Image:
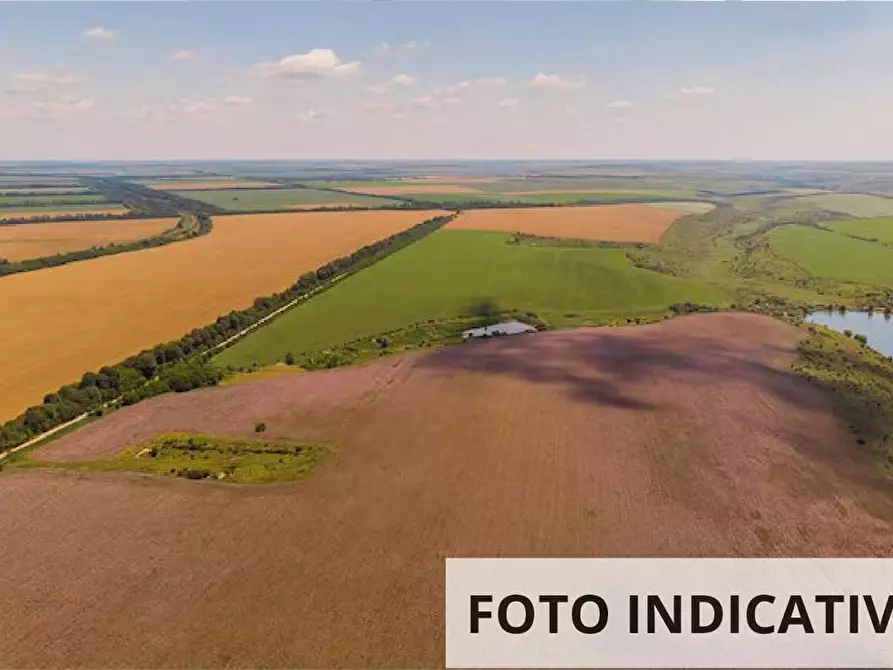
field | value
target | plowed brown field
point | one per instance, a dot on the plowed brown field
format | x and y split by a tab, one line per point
685	438
21	241
78	317
616	223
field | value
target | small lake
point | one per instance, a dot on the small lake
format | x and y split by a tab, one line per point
507	328
876	326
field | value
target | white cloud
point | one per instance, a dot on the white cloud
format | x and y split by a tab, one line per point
555	81
56	77
185	54
619	104
99	33
403	80
315	63
436	101
237	100
377	106
63	106
313	116
506	103
696	90
377	89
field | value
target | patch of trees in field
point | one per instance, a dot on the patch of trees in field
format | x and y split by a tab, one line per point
145	200
188	227
182	365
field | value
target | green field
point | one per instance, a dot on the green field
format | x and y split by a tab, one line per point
850	204
880	228
43	200
36	211
265	199
827	254
442	275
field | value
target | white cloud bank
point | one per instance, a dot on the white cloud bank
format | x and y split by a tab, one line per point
696	90
314	64
99	33
557	82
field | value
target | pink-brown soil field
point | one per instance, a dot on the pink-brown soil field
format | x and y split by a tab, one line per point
21	241
616	223
691	437
81	316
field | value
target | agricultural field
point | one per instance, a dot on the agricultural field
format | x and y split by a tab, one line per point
47	200
851	204
78	317
618	223
24	241
440	276
691	437
205	184
58	211
827	254
282	198
880	228
539	198
48	190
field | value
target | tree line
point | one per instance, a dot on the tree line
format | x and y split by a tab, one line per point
184	364
84	216
187	227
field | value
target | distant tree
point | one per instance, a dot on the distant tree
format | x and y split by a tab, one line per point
861	339
260	427
289	358
848	332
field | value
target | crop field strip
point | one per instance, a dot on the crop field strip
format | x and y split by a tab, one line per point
25	241
59	211
440	276
209	184
81	316
281	198
616	223
46	200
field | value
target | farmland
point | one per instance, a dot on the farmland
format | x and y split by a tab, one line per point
59	211
23	241
442	275
600	439
281	198
850	204
620	223
880	228
827	254
207	184
543	198
77	317
48	200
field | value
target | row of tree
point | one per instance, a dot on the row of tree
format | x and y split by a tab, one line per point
188	227
183	364
80	216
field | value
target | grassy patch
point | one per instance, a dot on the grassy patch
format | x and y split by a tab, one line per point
827	254
850	204
264	199
860	380
203	457
43	200
443	276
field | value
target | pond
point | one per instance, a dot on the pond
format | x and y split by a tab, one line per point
507	328
876	326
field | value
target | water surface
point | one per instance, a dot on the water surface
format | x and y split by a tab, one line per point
876	326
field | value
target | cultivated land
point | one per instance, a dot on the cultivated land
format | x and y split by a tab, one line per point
827	254
850	204
581	443
45	200
619	223
441	276
78	317
47	190
880	229
282	198
204	184
409	189
59	211
23	241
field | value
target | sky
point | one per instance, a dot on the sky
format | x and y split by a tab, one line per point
630	80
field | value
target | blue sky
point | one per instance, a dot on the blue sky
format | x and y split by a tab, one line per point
427	80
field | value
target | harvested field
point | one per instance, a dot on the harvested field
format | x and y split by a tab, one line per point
78	317
618	223
208	184
33	240
414	189
578	443
317	205
59	211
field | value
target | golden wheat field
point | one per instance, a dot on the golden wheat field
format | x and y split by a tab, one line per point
34	212
33	240
81	316
616	223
